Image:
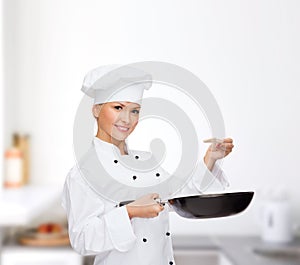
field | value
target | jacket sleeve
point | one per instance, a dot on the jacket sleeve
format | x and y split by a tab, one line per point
204	180
92	229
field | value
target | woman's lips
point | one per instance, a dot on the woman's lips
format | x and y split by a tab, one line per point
122	128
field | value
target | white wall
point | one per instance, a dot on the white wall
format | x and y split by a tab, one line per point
1	96
247	53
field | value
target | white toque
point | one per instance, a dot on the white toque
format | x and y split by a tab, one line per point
116	83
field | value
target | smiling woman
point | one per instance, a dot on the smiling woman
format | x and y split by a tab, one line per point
116	121
138	232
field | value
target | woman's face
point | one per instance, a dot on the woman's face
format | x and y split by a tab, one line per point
116	119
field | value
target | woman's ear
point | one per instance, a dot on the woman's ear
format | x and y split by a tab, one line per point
96	110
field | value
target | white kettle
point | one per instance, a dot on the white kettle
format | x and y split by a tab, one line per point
276	217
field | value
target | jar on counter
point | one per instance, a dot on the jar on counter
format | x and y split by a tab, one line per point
13	168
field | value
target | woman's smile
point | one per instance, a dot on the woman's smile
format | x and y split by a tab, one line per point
122	128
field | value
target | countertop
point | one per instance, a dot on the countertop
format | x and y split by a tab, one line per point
20	205
238	249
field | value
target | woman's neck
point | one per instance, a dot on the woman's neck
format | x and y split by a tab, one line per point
120	144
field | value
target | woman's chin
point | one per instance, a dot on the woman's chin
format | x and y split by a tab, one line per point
120	136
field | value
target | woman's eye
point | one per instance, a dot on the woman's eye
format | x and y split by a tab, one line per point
116	107
136	111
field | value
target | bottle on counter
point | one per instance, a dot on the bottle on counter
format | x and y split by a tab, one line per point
16	169
13	168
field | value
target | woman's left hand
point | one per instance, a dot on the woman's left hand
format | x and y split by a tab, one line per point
218	151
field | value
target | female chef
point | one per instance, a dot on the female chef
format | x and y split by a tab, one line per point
137	233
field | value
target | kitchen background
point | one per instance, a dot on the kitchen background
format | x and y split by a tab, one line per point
246	52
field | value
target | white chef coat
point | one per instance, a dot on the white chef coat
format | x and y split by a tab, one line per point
99	227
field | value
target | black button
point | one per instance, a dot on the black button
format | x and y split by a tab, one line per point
171	262
136	157
157	174
168	233
116	161
134	177
144	240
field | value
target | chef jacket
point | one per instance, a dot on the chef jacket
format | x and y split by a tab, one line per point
97	226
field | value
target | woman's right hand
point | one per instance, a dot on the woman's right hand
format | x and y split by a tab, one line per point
144	207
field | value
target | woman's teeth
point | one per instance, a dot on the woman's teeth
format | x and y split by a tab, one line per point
121	128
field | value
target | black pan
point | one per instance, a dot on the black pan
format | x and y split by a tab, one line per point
209	205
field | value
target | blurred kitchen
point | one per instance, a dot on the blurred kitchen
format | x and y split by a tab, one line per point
246	52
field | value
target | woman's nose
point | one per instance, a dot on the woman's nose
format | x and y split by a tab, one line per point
125	116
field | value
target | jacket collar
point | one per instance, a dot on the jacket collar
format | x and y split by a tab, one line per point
103	146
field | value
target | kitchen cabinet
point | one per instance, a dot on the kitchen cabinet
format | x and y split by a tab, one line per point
233	250
197	256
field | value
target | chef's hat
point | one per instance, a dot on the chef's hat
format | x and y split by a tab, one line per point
116	83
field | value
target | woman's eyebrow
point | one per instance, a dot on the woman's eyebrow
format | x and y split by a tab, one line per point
138	107
120	104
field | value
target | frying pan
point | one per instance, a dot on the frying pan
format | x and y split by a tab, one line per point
208	205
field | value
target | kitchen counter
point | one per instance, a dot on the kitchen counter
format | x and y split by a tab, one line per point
239	250
20	205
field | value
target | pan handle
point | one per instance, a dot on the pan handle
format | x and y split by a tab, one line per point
125	203
158	200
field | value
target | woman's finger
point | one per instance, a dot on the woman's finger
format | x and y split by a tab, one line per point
225	146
